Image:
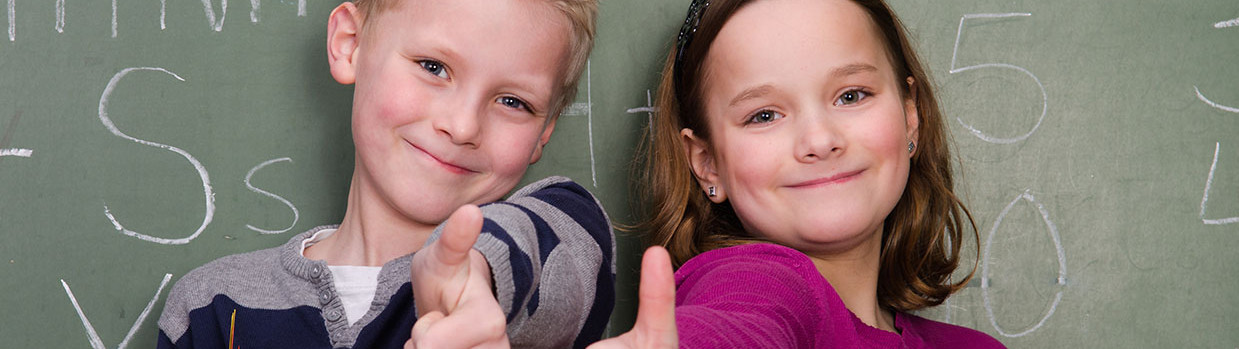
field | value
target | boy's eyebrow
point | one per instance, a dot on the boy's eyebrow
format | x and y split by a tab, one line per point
447	53
758	91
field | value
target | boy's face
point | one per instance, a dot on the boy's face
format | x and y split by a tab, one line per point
452	99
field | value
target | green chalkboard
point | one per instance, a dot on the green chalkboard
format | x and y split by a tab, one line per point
1098	143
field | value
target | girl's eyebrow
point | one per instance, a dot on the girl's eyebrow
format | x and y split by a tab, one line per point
751	93
765	89
852	69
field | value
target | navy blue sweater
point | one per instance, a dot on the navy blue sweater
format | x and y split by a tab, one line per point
276	298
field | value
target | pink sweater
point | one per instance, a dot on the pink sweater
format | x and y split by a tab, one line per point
771	296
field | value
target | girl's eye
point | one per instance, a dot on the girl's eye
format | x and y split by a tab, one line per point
515	103
763	116
851	97
434	67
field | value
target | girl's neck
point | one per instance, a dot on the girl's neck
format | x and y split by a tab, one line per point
854	276
371	233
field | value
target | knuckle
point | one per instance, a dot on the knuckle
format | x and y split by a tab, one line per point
494	326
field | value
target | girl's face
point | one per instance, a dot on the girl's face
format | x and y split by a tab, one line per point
809	131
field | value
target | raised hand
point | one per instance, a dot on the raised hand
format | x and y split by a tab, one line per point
452	288
655	327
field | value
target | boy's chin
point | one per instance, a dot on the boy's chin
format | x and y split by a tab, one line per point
434	209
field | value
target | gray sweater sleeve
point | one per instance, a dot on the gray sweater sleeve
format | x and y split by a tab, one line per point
551	252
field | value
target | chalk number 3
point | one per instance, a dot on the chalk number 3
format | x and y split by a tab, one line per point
955	53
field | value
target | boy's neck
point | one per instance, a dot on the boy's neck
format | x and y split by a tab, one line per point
371	233
854	276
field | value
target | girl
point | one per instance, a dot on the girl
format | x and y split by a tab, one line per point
800	176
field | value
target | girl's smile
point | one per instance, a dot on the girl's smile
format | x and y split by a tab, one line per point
828	180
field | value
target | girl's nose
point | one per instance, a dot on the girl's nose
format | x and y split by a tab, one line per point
818	138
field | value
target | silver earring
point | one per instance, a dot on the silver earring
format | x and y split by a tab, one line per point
911	146
712	192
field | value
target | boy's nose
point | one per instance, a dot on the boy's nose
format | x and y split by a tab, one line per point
462	127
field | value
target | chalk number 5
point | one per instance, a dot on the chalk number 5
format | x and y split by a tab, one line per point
955	53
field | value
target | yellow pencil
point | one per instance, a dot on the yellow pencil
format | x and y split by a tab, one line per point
232	328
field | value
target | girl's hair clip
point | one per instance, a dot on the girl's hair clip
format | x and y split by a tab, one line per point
695	10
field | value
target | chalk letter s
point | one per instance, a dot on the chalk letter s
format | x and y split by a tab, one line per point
296	215
202	173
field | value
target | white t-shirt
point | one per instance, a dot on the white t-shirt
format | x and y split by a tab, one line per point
356	285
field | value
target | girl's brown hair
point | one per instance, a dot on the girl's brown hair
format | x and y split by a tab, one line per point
922	235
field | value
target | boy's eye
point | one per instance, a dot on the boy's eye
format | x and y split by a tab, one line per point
515	103
763	116
433	67
851	97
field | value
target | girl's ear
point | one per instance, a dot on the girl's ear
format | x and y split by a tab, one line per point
702	162
342	40
910	113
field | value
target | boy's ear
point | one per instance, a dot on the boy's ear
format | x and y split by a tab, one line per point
701	160
543	140
911	115
342	40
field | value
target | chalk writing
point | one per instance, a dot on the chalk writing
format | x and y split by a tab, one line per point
163	14
209	9
1213	104
946	304
296	215
985	274
648	109
254	4
587	109
12	20
1204	200
589	100
202	173
93	336
18	152
4	141
215	20
1226	24
60	16
955	54
576	109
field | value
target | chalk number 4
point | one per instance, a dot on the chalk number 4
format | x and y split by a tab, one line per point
955	53
1204	200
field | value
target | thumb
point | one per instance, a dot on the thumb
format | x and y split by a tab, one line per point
655	327
656	310
460	231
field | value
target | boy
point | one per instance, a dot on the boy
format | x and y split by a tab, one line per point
454	99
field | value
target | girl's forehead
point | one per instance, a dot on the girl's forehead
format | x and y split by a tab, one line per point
793	39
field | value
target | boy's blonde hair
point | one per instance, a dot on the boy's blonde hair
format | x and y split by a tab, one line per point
582	18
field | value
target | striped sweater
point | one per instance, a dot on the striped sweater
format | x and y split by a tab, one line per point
549	245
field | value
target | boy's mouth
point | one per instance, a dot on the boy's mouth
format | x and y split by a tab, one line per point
451	167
